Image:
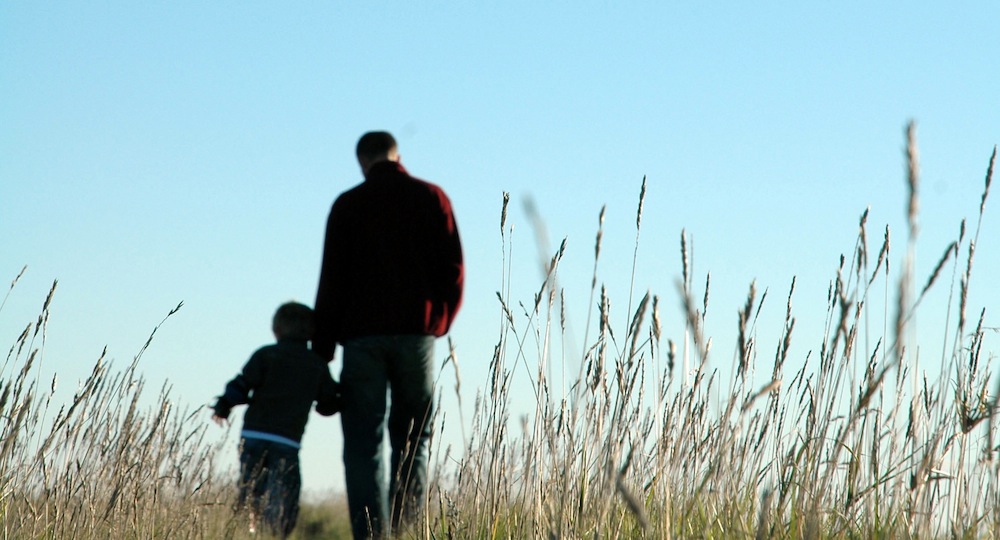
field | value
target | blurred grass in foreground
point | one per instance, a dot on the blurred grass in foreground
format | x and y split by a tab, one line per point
855	443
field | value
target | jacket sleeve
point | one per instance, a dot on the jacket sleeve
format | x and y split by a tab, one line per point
324	341
238	390
451	273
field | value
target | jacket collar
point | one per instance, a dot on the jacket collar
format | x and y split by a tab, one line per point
385	169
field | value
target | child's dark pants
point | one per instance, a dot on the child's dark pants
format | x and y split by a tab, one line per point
270	483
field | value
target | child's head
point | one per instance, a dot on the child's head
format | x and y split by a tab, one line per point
293	321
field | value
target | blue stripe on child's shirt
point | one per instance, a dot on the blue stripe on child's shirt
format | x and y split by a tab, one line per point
263	436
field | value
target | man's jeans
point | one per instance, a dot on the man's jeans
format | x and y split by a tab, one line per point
270	483
404	365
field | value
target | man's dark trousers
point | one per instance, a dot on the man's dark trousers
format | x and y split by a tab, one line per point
403	365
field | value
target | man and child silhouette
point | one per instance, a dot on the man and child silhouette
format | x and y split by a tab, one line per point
390	283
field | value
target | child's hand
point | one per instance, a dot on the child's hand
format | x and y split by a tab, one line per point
220	412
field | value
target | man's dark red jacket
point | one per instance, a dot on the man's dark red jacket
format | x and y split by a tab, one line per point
392	261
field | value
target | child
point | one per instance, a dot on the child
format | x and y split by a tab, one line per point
280	382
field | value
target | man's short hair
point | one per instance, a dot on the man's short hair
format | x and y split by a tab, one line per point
375	143
294	321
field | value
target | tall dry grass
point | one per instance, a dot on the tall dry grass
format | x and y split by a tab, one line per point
856	443
104	464
115	461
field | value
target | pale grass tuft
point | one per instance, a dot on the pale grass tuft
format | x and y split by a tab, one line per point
851	452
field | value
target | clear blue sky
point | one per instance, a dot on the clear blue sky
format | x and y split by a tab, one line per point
158	152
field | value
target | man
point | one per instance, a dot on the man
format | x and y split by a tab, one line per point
391	282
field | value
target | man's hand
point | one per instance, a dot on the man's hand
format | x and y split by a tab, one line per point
220	421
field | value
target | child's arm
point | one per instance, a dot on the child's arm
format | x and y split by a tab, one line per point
237	393
328	400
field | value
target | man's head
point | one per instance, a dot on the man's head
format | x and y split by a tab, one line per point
294	321
374	147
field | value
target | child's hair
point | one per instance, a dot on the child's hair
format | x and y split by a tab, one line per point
294	321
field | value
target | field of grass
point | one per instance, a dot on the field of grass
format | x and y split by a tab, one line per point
856	443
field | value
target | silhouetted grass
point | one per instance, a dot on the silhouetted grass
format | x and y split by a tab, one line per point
854	442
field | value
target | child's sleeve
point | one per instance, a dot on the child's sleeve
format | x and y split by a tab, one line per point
237	391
